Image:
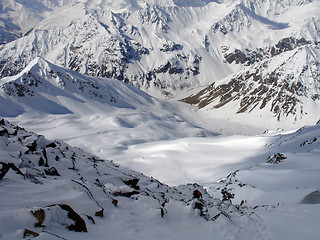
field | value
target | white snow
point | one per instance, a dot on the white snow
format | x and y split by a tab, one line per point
268	173
162	140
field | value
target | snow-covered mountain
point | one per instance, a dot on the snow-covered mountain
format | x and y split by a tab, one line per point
168	48
284	89
249	66
93	108
163	47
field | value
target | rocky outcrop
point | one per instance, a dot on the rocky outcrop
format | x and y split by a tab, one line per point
270	85
61	214
311	198
249	57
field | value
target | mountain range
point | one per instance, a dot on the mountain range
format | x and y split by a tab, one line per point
112	114
244	56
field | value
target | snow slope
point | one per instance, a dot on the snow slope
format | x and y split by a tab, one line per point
51	190
98	115
262	61
261	198
283	89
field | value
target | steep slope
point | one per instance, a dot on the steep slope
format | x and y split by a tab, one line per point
88	111
52	190
275	175
284	87
108	44
56	90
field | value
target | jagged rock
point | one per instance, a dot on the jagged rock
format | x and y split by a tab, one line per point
287	44
311	198
4	132
96	180
171	46
280	91
79	224
226	194
32	146
309	142
132	183
52	171
126	194
249	57
276	158
99	213
115	202
6	167
28	233
40	216
51	145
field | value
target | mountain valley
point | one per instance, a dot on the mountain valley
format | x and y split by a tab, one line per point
112	113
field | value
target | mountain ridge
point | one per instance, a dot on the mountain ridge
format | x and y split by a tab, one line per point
287	85
133	53
169	49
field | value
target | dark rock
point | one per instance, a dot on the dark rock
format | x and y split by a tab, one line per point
276	158
99	213
79	225
311	198
39	215
115	202
162	212
4	132
132	183
237	56
41	162
52	145
91	219
198	205
287	44
171	46
32	146
28	233
51	171
226	194
6	167
126	194
163	68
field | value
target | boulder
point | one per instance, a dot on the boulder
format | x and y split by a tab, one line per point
311	198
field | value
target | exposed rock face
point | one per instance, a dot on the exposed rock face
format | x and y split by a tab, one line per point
79	224
270	85
6	167
249	57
